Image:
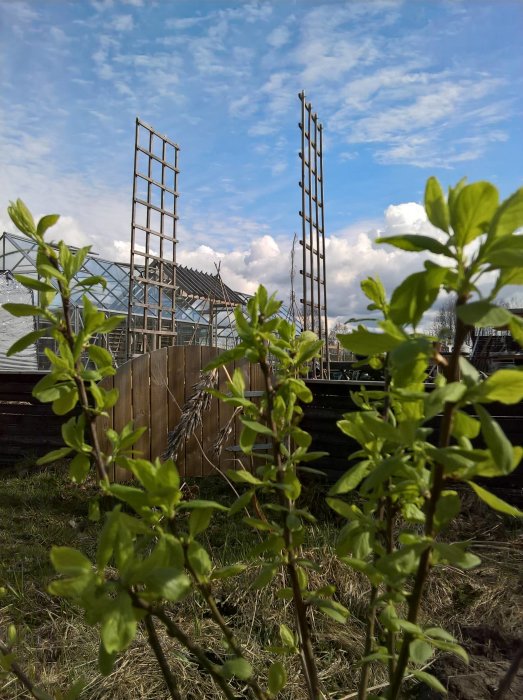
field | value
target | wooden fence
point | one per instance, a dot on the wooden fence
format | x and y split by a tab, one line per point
28	429
153	390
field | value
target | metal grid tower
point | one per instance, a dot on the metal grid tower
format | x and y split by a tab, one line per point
313	229
152	279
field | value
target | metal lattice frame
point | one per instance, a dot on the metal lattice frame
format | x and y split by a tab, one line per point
152	283
313	229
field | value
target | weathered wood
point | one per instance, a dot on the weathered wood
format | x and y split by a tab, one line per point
193	451
210	421
123	412
158	402
176	395
141	403
105	422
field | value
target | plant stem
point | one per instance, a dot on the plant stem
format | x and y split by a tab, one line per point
206	592
156	646
424	566
87	411
308	660
174	631
369	638
22	677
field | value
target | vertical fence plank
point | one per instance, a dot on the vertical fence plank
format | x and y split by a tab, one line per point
159	409
122	411
225	415
210	422
176	398
193	454
141	401
103	423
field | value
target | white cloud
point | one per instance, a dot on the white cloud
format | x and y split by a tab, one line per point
279	37
122	23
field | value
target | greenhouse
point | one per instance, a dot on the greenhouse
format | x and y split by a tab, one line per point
203	304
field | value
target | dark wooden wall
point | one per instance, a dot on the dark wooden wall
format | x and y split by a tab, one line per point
27	427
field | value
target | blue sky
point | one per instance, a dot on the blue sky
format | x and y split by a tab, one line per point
405	90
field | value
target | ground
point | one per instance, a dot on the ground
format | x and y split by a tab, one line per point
483	607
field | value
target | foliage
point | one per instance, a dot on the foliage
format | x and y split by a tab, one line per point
150	554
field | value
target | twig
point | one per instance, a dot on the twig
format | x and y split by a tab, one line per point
174	631
156	646
21	675
509	676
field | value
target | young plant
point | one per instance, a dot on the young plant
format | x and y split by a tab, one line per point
405	480
149	555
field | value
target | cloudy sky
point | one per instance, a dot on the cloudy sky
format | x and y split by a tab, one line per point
405	90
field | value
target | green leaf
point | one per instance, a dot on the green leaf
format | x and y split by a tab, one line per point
199	521
435	205
228	571
237	667
483	314
505	386
22	217
225	357
265	576
473	210
22	310
420	651
257	427
509	216
363	342
119	624
416	294
277	677
447	508
287	637
168	583
464	425
106	661
494	502
456	555
341	507
79	468
54	456
496	440
243	476
504	252
241	502
69	561
331	608
46	222
25	341
199	559
374	290
429	680
415	243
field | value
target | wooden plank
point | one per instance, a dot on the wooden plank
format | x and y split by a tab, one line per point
176	394
103	423
193	454
122	411
225	415
141	402
210	422
159	417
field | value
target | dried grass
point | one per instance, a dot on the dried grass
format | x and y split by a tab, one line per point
57	646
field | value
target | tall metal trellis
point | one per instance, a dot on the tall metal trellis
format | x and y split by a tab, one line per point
152	280
313	229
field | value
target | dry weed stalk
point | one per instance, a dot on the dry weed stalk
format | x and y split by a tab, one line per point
192	413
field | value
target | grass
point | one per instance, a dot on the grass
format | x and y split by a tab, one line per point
39	508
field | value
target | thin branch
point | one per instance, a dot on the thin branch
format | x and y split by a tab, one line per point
174	631
21	675
156	646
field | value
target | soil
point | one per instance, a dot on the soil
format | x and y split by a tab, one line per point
491	654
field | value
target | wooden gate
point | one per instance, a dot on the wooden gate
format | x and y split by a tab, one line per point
153	390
